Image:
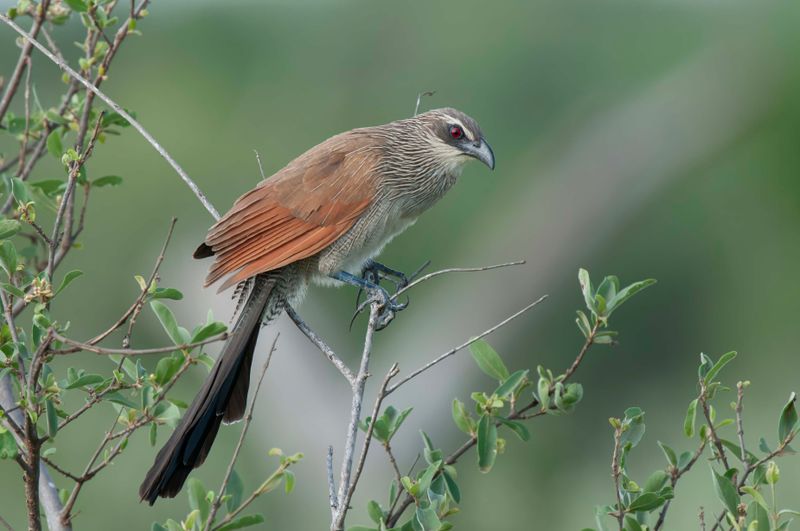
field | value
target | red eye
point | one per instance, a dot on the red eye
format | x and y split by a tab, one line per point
456	132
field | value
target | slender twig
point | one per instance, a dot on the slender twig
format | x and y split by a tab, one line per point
619	514
337	523
398	476
247	420
584	349
435	274
739	423
675	475
419	99
12	329
721	455
702	517
111	103
321	345
368	437
260	167
16	76
78	346
27	99
6	524
63	472
463	345
331	481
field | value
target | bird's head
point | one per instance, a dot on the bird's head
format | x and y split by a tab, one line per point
455	137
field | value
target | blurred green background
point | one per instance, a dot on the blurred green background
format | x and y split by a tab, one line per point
644	139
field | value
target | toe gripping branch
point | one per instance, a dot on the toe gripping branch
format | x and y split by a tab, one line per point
371	277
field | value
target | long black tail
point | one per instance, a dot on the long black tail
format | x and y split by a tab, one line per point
223	397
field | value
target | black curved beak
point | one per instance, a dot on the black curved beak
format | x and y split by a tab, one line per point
482	151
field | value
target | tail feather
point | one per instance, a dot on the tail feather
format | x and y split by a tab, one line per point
222	397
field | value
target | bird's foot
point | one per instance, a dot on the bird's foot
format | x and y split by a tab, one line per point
376	271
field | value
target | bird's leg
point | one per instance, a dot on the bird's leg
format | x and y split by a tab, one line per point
389	307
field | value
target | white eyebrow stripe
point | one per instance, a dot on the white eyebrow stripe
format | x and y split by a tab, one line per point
459	123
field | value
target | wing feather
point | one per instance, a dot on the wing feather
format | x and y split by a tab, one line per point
297	212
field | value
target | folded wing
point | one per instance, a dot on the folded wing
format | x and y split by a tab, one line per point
296	213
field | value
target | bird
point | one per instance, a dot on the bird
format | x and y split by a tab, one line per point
321	219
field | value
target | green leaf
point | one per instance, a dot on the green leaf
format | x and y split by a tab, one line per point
108	180
583	324
166	368
628	292
634	419
425	519
757	497
68	278
788	419
656	480
726	492
374	511
586	288
487	443
15	291
631	524
166	293
178	335
197	498
462	418
8	228
517	427
691	414
8	257
77	5
721	362
608	288
427	476
646	502
54	145
153	433
757	513
511	383
83	381
207	331
669	453
452	486
288	481
244	521
488	360
234	491
8	446
52	418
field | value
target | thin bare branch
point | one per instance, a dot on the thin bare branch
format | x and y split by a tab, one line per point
435	274
321	345
463	345
331	481
78	346
368	437
337	523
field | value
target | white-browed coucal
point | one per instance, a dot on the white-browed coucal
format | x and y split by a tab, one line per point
321	219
